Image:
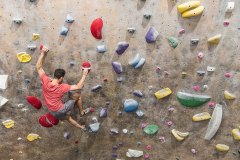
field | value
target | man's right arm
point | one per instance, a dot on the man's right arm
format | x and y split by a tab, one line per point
81	82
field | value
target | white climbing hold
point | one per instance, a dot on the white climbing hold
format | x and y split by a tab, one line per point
69	19
210	69
64	31
140	63
134	153
125	131
230	6
131	30
101	49
3	81
17	20
147	15
32	47
3	101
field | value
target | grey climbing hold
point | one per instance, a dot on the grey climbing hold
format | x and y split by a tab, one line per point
151	35
103	112
117	67
17	20
147	15
130	105
94	127
173	42
69	19
138	93
131	30
201	73
140	63
194	41
64	31
3	101
114	131
72	63
3	81
32	47
101	49
119	79
96	88
27	81
134	153
121	47
67	135
133	62
139	113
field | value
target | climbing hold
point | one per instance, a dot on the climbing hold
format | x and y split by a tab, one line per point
138	93
94	127
162	139
169	123
96	28
143	125
32	136
130	105
17	20
23	57
200	55
210	69
133	62
201	73
194	41
34	101
194	12
27	81
147	15
67	135
227	75
44	122
114	155
114	131
117	67
119	79
3	81
72	63
103	112
139	113
192	100
121	47
151	129
151	35
101	49
163	93
32	47
146	156
131	30
236	134
86	65
229	96
201	116
230	6
148	147
214	122
140	63
8	123
211	104
193	151
53	120
226	23
184	74
96	88
179	135
222	147
64	31
3	101
196	88
188	5
215	39
181	31
125	131
69	19
173	42
171	109
205	86
134	153
35	36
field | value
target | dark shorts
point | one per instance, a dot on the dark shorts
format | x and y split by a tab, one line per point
62	114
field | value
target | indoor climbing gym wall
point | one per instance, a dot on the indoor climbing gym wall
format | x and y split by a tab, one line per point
163	84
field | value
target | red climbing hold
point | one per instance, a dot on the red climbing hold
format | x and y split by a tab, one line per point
34	101
96	28
86	65
53	120
43	122
41	47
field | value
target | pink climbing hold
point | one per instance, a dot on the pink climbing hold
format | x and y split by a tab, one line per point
226	23
96	28
34	101
41	47
211	104
86	65
227	75
193	151
148	147
169	123
166	73
196	88
182	31
146	156
171	109
200	55
158	69
143	125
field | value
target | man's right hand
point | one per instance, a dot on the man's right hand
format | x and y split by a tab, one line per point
85	72
44	50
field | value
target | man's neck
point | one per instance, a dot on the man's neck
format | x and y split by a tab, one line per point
55	81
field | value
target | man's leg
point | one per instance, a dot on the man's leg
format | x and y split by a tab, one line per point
72	121
78	98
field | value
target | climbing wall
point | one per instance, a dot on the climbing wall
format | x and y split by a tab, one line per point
182	69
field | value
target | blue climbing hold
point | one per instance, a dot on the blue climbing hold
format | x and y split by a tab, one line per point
130	105
69	19
151	35
140	63
117	67
135	60
64	31
121	47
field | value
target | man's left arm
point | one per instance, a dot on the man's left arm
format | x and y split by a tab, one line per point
40	61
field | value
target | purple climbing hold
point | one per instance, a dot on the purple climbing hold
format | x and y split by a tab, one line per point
103	112
115	147
121	47
67	135
117	67
138	93
114	155
151	35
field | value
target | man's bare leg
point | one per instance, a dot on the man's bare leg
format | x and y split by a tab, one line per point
72	121
78	98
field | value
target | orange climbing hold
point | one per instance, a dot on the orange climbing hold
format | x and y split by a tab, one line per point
96	28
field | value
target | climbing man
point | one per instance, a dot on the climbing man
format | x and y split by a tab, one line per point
54	89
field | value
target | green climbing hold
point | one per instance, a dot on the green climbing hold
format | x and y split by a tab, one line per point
151	129
192	100
173	42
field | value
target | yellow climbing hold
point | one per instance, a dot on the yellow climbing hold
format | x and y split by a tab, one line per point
23	57
163	93
222	147
229	96
8	123
35	36
236	134
215	39
195	12
188	5
179	135
201	116
32	136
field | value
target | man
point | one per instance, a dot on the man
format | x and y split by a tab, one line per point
54	89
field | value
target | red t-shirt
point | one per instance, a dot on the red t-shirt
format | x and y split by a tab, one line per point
53	93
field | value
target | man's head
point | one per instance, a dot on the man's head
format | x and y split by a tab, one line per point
59	74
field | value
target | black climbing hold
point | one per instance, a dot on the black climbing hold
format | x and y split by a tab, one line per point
96	88
194	41
201	73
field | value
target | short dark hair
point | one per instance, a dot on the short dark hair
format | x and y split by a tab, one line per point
58	73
